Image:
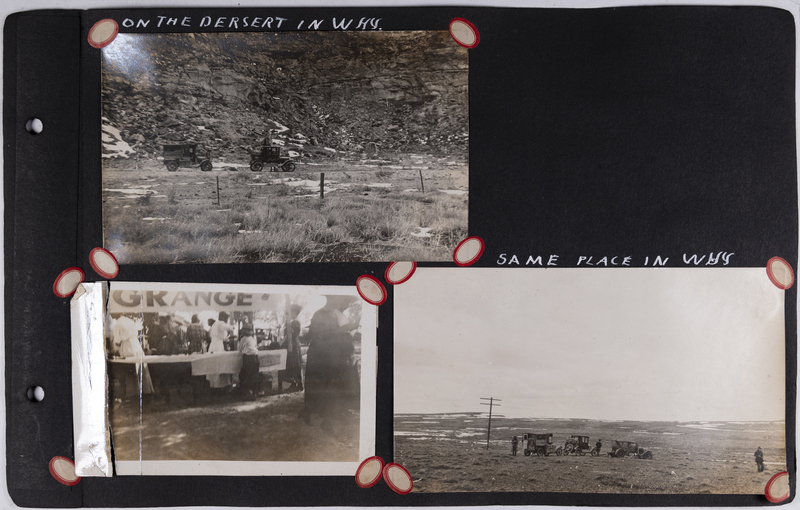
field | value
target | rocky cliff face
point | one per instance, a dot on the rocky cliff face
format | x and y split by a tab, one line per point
360	92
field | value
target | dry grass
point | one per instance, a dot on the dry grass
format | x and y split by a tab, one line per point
261	219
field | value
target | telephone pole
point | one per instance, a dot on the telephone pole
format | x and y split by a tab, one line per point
491	404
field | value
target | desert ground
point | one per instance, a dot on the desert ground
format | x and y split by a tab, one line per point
226	426
372	210
448	453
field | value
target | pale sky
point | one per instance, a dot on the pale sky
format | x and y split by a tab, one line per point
673	344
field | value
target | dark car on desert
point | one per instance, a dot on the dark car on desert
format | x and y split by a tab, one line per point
579	445
273	156
625	448
185	154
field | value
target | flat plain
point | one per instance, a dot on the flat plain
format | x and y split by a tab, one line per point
448	453
372	210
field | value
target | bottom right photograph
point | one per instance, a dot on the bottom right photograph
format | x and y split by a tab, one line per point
609	380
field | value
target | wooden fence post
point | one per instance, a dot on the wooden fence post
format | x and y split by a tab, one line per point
422	183
218	202
322	185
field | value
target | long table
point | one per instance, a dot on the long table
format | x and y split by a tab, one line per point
214	363
183	367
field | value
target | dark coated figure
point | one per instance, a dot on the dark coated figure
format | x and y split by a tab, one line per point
759	455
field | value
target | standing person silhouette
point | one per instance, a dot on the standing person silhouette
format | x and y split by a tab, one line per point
291	343
249	374
759	455
329	367
196	335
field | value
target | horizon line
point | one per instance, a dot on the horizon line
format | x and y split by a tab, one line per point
587	419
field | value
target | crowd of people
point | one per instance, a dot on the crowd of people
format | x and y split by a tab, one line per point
330	381
165	334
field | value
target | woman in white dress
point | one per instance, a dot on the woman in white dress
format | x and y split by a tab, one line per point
125	339
219	333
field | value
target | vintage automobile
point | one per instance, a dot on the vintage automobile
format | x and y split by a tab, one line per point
625	448
540	444
185	154
577	445
271	155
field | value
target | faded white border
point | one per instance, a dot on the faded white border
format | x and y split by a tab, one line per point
235	468
367	417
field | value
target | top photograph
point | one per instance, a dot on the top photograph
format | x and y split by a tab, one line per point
284	147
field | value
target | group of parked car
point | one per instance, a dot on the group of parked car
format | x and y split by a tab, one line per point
542	445
188	154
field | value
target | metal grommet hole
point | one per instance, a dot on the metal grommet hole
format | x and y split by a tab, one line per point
35	393
34	126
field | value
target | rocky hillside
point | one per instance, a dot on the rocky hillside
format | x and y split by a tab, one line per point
360	92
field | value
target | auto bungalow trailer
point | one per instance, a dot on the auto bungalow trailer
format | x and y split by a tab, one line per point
540	444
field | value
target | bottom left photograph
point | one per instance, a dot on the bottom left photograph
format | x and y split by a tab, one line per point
240	379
